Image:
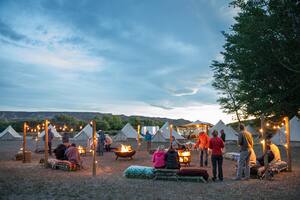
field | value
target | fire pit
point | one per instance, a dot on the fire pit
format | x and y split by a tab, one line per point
185	157
81	150
124	152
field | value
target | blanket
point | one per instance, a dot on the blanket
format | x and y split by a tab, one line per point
62	164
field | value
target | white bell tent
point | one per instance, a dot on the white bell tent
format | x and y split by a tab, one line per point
127	132
53	130
10	134
230	133
85	134
280	137
163	134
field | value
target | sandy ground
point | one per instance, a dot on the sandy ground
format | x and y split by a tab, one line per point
32	181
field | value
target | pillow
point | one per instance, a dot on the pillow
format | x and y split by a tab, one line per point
136	171
193	172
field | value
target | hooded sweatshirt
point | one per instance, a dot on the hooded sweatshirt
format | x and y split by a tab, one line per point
158	159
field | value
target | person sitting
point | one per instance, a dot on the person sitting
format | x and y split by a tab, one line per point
73	155
273	154
61	149
172	159
158	158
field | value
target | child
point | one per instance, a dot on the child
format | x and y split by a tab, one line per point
216	144
158	158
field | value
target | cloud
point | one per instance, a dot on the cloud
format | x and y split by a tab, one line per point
7	31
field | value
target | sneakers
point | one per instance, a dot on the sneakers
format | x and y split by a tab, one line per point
237	179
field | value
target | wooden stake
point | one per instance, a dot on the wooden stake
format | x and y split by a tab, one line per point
94	148
171	138
46	142
24	140
288	143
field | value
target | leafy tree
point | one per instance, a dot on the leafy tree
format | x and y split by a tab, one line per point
261	59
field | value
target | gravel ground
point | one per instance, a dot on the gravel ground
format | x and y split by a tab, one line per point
32	181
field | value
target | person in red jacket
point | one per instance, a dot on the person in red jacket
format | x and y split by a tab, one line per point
216	145
202	143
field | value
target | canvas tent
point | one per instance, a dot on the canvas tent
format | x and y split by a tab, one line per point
127	132
231	134
152	129
280	137
250	129
53	129
163	134
86	133
9	134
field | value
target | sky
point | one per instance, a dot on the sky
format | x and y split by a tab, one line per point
133	57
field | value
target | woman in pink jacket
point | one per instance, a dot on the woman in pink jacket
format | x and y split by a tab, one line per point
158	158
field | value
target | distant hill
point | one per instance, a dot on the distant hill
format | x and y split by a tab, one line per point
21	116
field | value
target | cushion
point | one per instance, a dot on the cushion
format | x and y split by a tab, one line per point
278	166
232	156
62	164
193	172
135	171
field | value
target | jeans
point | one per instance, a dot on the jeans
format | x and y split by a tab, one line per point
50	148
101	149
244	165
148	146
203	151
217	161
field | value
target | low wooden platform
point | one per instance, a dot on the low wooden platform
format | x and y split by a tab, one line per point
171	175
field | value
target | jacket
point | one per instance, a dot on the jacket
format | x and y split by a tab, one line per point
172	160
203	141
245	141
158	159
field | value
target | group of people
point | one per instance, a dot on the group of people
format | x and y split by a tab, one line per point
165	159
215	147
67	151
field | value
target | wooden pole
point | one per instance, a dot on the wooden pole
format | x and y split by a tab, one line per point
94	148
171	138
24	141
288	143
264	136
46	143
138	139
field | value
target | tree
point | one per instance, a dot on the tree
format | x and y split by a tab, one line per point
261	59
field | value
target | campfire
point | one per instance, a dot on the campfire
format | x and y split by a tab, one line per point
81	150
185	157
124	152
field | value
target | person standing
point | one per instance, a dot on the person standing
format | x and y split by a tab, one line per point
216	145
108	142
223	135
50	138
245	141
202	143
101	143
148	139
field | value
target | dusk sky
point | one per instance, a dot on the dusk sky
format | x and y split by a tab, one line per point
133	57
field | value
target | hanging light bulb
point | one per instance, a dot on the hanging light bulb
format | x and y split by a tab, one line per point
267	124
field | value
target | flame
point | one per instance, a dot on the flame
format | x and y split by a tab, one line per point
184	156
125	148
